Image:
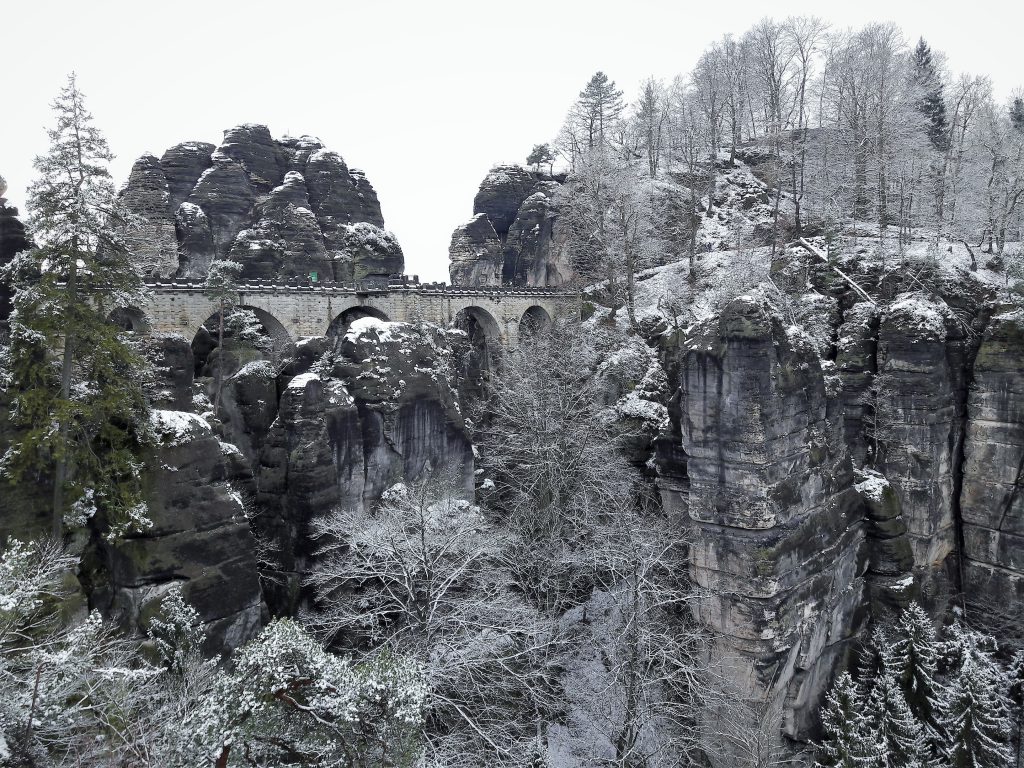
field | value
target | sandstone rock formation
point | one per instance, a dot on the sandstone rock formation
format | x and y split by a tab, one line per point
283	208
148	195
200	539
514	237
337	436
475	253
992	499
776	525
13	240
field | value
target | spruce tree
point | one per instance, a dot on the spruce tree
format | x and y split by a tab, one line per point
1017	114
930	99
974	717
845	742
913	662
77	402
1015	694
892	726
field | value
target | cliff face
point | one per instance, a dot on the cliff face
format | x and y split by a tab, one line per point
13	240
378	408
776	525
992	500
514	237
282	208
835	458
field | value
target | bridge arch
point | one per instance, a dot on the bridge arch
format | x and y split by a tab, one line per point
340	324
203	345
534	319
478	322
130	319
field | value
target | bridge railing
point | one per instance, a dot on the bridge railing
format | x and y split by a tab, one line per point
361	286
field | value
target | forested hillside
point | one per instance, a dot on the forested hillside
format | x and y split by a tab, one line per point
757	503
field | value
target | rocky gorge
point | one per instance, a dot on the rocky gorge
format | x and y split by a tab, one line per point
831	457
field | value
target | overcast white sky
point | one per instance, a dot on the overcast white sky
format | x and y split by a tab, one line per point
423	96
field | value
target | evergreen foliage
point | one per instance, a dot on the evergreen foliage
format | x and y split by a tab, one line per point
77	401
919	701
975	718
931	103
1017	114
541	154
845	742
913	662
892	725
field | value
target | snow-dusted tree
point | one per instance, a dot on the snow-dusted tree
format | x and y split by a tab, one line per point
287	701
221	285
1002	149
424	574
75	692
650	114
845	742
66	364
804	35
541	154
892	726
1015	694
552	458
592	119
912	659
975	717
930	101
612	216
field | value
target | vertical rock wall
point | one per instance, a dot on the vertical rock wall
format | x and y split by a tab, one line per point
775	522
992	501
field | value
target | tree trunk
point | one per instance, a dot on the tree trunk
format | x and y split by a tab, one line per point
220	362
61	470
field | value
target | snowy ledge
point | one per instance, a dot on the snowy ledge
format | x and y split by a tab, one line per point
178	427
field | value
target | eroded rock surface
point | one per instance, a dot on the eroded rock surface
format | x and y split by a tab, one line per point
282	208
992	501
776	525
514	237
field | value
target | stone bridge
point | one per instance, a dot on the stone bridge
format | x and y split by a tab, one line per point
291	310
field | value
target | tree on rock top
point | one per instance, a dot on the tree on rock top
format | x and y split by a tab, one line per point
77	401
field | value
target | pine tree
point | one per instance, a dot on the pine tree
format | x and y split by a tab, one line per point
845	743
87	438
600	105
1017	114
892	726
873	661
541	154
974	717
930	100
913	662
